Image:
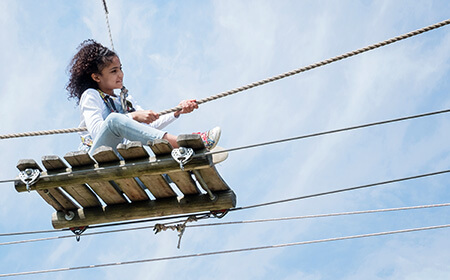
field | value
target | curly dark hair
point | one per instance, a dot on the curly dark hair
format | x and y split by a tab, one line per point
90	58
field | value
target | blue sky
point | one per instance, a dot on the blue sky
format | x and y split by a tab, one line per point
174	50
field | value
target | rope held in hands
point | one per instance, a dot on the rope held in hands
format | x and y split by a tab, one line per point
258	83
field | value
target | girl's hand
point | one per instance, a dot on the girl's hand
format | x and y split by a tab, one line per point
187	106
146	116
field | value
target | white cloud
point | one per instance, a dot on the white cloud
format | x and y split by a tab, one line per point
400	257
179	50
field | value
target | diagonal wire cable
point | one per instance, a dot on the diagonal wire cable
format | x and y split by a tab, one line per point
258	83
324	215
343	190
241	222
329	132
301	137
223	252
424	175
104	225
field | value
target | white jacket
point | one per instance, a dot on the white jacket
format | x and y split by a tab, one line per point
93	112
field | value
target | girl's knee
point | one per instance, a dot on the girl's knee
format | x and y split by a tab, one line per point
113	119
114	122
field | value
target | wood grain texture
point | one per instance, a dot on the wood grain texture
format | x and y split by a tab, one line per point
145	209
158	186
79	192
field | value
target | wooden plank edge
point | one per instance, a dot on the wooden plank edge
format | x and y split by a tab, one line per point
112	173
145	209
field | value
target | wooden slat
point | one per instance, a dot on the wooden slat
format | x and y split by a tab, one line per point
57	199
157	185
160	147
48	198
132	189
213	179
193	141
80	160
80	192
184	182
83	195
107	192
146	209
28	163
210	175
117	172
54	197
54	164
105	156
133	151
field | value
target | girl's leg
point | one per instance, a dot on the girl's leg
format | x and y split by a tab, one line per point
118	126
172	139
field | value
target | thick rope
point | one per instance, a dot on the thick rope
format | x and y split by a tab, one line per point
43	132
315	65
107	24
280	140
255	84
228	251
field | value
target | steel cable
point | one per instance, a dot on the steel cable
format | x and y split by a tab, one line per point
227	251
234	222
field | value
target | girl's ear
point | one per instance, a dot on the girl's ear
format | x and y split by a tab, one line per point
95	77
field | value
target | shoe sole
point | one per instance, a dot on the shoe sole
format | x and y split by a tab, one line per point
219	157
217	138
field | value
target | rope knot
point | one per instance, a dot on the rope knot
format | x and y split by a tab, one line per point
180	228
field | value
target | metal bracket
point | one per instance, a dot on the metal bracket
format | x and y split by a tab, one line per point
78	231
69	215
182	155
219	214
123	99
29	176
203	184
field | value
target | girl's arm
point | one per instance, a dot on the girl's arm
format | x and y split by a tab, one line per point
153	119
148	116
187	106
144	116
91	106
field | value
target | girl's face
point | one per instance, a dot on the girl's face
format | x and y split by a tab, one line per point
110	78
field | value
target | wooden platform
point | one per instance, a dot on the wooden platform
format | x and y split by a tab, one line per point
104	189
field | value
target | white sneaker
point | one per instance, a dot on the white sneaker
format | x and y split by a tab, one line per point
210	138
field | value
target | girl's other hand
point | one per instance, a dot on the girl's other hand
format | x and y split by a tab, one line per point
187	106
145	116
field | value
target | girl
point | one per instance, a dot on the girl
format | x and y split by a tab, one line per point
95	71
